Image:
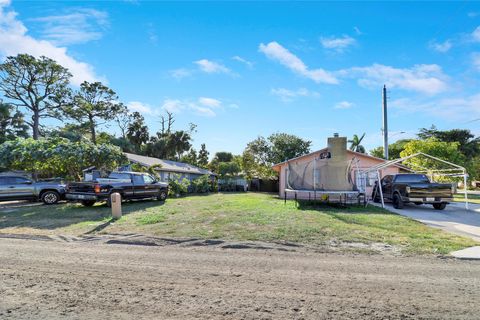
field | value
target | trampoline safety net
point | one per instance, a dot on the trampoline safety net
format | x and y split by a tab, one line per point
321	175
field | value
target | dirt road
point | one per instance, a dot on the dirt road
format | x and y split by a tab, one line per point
97	280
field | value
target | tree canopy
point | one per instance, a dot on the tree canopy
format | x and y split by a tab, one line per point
58	156
94	104
39	86
12	124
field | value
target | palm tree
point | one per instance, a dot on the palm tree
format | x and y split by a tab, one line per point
355	143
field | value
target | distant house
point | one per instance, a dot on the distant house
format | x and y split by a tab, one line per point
169	168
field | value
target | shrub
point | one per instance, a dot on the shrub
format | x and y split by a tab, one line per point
178	187
201	184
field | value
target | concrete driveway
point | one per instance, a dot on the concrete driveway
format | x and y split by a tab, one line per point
455	218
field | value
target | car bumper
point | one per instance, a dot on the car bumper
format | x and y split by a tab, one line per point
427	199
79	196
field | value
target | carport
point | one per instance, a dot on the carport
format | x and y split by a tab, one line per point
438	168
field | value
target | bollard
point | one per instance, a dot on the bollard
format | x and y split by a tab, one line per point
116	201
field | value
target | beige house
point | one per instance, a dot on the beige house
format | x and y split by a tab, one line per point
356	161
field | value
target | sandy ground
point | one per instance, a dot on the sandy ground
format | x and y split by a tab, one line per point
114	279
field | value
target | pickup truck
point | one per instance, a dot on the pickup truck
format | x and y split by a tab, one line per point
413	188
130	185
21	188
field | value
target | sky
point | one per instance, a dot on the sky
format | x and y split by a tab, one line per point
243	69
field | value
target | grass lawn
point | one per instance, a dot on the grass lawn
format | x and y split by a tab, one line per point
472	198
241	216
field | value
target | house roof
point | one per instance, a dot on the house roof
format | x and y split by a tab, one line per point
166	165
357	154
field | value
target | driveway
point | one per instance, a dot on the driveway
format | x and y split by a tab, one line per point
455	218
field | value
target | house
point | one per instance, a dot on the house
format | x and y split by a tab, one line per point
333	168
167	168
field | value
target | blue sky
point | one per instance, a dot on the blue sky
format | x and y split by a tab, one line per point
239	70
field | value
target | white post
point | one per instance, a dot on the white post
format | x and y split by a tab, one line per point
380	188
465	188
116	202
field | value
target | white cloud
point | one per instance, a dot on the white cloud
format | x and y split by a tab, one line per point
344	105
441	47
204	111
78	26
140	107
202	106
473	14
211	66
244	61
476	60
339	44
287	95
452	109
14	40
424	78
175	106
209	102
476	34
181	73
276	52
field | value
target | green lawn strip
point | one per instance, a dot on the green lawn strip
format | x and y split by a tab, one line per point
472	198
242	216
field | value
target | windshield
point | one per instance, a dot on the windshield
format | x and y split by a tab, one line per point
418	178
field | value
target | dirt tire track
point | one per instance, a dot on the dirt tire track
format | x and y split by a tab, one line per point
79	280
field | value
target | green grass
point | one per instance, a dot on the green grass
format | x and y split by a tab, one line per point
472	198
250	216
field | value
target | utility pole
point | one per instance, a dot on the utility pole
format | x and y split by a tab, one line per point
385	123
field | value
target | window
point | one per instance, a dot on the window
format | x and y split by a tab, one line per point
138	179
20	180
412	178
148	179
118	175
3	180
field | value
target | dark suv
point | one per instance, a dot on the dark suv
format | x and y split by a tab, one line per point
21	188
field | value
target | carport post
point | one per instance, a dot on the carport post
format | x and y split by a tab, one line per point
380	188
465	188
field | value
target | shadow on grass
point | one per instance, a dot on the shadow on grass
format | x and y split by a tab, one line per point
335	208
65	214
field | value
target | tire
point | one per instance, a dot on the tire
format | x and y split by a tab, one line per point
162	195
88	203
397	201
50	197
375	196
439	206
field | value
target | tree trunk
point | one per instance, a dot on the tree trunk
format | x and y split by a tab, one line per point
92	131
36	125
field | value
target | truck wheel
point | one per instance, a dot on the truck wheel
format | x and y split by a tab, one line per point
397	201
162	195
88	203
50	197
439	206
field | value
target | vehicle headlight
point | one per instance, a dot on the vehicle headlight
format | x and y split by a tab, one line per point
407	189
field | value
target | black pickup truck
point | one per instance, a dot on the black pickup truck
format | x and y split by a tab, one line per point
130	185
414	188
